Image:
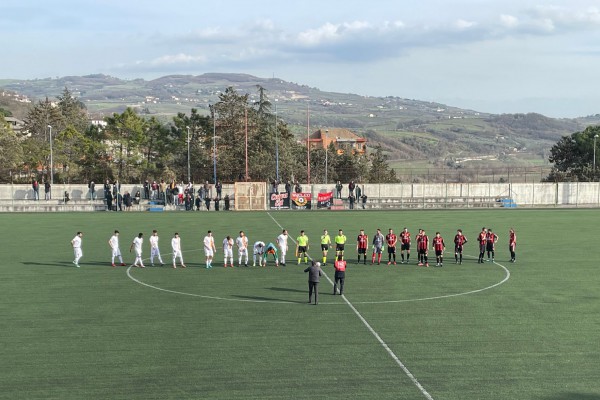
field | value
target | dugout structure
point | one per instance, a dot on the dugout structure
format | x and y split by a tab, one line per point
250	196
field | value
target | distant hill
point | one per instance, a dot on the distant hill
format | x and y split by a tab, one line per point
407	129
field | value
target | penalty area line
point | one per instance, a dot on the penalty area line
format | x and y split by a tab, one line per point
374	333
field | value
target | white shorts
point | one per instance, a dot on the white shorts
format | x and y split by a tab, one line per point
78	253
176	253
228	253
154	251
116	252
208	252
243	252
283	250
138	253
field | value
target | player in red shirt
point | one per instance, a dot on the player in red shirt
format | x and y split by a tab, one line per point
391	240
512	244
490	246
405	245
362	243
439	246
422	247
340	274
459	241
482	239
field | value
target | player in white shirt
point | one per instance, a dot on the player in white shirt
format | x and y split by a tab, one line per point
76	243
113	242
137	244
242	245
176	246
259	251
283	245
209	248
154	251
228	250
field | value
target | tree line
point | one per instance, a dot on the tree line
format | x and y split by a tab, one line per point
132	148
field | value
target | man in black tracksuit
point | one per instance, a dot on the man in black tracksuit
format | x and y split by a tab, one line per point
314	272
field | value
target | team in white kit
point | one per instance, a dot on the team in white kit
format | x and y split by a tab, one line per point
241	243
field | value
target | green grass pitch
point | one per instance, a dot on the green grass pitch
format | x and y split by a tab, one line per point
96	332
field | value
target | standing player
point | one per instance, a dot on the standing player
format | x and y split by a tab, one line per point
137	244
113	242
325	243
282	242
340	242
459	241
482	239
391	240
422	248
302	247
438	246
340	274
209	248
242	244
154	251
378	240
405	245
227	250
76	244
176	246
362	243
492	238
259	251
512	244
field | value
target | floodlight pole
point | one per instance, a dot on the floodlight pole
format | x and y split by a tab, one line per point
188	153
594	162
51	160
325	144
276	147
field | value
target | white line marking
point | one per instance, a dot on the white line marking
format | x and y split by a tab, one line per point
374	333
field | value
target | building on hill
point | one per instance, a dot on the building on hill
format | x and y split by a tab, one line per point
16	124
343	140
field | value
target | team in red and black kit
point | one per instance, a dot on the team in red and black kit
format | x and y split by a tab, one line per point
438	246
512	245
490	245
405	245
422	247
362	243
459	241
391	240
482	239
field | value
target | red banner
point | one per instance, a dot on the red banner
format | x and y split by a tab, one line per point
301	201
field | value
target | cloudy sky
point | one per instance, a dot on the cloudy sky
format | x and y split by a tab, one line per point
494	56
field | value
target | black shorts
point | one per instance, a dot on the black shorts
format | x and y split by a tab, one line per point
438	253
489	246
324	247
362	250
405	246
301	249
339	247
391	249
458	249
422	251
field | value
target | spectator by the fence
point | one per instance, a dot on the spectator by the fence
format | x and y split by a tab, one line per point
217	200
207	203
226	201
363	199
275	187
219	188
47	190
119	200
137	197
92	188
351	199
198	201
154	189
357	192
127	201
163	190
66	197
298	188
35	185
189	202
338	190
351	187
109	199
288	187
107	188
206	187
146	190
116	188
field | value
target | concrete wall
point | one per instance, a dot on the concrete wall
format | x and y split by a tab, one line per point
524	194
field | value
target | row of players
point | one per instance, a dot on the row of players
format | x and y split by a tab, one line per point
487	241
